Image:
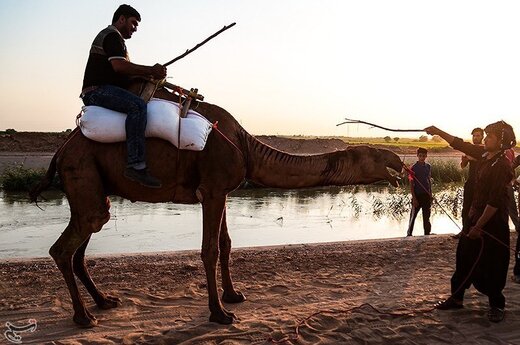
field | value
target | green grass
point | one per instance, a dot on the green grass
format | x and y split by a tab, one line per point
445	171
400	143
19	178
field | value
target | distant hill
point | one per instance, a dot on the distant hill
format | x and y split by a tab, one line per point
51	141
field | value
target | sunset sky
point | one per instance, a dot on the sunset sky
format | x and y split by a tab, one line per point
288	67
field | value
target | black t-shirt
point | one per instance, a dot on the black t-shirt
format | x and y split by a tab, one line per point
107	45
472	150
493	177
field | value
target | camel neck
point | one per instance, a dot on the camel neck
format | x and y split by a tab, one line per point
273	168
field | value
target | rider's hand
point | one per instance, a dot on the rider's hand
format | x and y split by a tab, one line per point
159	71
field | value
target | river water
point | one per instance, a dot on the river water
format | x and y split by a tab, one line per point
256	217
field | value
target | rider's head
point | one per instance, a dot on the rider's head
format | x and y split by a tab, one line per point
126	19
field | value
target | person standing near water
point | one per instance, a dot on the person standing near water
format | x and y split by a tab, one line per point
421	190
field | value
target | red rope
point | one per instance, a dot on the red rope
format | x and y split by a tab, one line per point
214	126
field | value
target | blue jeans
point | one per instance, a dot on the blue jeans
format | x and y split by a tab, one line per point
118	99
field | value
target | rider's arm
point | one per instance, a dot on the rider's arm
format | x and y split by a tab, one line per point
129	68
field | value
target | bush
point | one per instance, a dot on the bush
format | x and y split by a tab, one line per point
445	171
18	178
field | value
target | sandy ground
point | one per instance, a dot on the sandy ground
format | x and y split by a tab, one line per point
165	300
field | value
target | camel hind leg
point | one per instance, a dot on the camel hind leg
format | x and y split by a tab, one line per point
88	214
230	295
62	252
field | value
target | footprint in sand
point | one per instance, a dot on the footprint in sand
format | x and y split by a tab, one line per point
279	289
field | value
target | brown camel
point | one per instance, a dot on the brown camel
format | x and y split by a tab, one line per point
91	171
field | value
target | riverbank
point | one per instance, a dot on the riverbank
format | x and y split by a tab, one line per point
35	150
165	300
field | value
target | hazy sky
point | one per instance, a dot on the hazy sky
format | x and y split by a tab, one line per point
287	67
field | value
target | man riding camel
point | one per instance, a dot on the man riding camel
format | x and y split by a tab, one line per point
108	74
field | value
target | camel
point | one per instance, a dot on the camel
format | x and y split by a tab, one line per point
91	171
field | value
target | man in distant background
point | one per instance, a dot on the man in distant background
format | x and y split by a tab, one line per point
421	191
469	186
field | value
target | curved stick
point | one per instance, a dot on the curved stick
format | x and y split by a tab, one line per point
374	125
188	51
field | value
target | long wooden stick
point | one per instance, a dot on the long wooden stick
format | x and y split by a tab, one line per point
188	51
374	125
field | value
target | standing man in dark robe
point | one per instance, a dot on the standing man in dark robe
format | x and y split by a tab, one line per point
516	269
477	135
482	257
107	75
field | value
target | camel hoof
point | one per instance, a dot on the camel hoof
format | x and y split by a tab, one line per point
85	321
223	317
109	302
234	297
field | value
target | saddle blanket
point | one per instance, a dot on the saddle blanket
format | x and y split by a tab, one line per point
163	120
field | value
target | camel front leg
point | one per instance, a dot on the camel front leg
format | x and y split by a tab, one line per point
212	212
229	295
80	269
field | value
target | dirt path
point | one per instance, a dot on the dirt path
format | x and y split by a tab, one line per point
165	301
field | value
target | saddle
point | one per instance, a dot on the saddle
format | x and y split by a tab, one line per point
146	88
163	121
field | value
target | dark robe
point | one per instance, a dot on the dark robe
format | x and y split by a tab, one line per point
491	253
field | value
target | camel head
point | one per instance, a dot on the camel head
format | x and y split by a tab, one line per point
371	165
393	164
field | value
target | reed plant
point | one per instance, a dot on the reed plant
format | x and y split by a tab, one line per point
445	171
20	178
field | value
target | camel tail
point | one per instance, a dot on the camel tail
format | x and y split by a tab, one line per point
46	181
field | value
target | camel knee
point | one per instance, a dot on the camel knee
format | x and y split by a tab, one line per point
60	256
97	221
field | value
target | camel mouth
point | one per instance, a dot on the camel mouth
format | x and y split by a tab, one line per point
393	176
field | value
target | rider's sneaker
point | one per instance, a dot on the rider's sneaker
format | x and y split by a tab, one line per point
143	177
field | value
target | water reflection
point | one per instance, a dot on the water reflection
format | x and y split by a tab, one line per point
256	217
